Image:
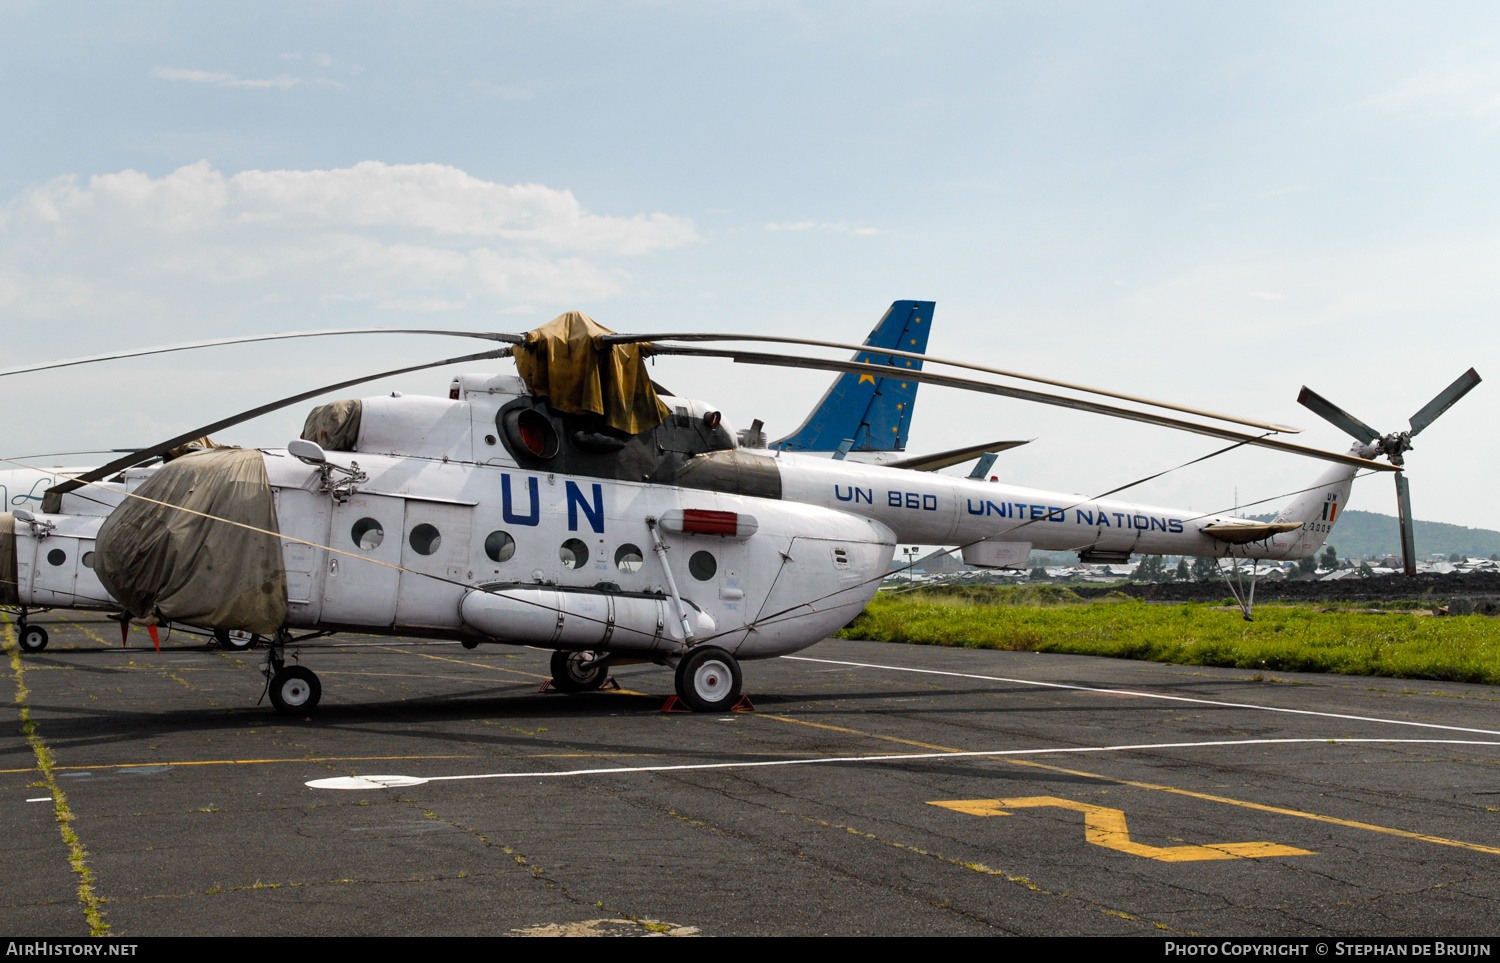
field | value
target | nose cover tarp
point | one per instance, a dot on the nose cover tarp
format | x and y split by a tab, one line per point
216	565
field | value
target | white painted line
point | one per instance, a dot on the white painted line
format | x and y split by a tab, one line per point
1153	695
396	782
41	799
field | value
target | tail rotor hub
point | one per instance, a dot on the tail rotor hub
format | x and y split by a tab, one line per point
1396	444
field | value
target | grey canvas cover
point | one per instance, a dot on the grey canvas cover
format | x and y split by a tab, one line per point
178	566
334	426
10	590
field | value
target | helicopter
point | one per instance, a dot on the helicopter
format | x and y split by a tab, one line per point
578	506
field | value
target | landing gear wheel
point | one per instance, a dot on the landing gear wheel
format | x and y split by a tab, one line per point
33	638
236	640
578	671
295	690
708	679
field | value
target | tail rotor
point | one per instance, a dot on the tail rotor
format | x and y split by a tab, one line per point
1394	445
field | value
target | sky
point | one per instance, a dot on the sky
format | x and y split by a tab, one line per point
1213	204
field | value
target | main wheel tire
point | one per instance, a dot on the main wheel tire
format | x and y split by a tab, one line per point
295	690
709	679
576	672
33	638
236	640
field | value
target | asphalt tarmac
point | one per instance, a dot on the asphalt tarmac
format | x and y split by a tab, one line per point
876	789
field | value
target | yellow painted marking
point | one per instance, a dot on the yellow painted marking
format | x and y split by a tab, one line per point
1279	810
477	665
237	762
1261	807
44	764
856	732
865	377
88	632
1106	827
529	675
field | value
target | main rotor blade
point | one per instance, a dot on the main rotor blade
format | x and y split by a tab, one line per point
943	459
1340	418
968	384
190	345
868	349
161	448
1445	399
59	454
1408	533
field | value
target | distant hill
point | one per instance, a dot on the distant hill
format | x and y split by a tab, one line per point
1370	534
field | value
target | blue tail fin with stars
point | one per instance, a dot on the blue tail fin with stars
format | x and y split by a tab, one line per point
863	412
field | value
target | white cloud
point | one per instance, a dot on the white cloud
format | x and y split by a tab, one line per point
416	237
281	81
1460	85
221	79
838	227
485	88
190	76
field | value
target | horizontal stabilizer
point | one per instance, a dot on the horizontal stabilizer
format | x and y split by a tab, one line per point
1241	533
943	459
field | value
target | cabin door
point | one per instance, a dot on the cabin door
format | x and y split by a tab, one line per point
357	590
435	557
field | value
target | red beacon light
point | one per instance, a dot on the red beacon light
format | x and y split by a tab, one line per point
702	521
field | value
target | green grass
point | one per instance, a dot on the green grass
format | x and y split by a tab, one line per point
1283	638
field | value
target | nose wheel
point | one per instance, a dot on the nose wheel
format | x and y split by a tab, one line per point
295	689
236	640
709	679
32	638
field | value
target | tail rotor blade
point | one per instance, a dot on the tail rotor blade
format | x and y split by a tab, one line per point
1408	534
1340	418
1445	399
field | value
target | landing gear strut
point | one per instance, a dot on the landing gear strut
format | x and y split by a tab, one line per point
709	679
293	689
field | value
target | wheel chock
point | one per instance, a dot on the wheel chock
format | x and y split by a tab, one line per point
674	704
546	686
610	685
744	705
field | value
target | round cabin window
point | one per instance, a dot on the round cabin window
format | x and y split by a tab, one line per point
87	560
574	553
367	534
703	565
628	559
56	557
425	539
499	546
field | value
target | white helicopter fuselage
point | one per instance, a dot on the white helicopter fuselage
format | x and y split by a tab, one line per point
935	509
445	535
439	530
